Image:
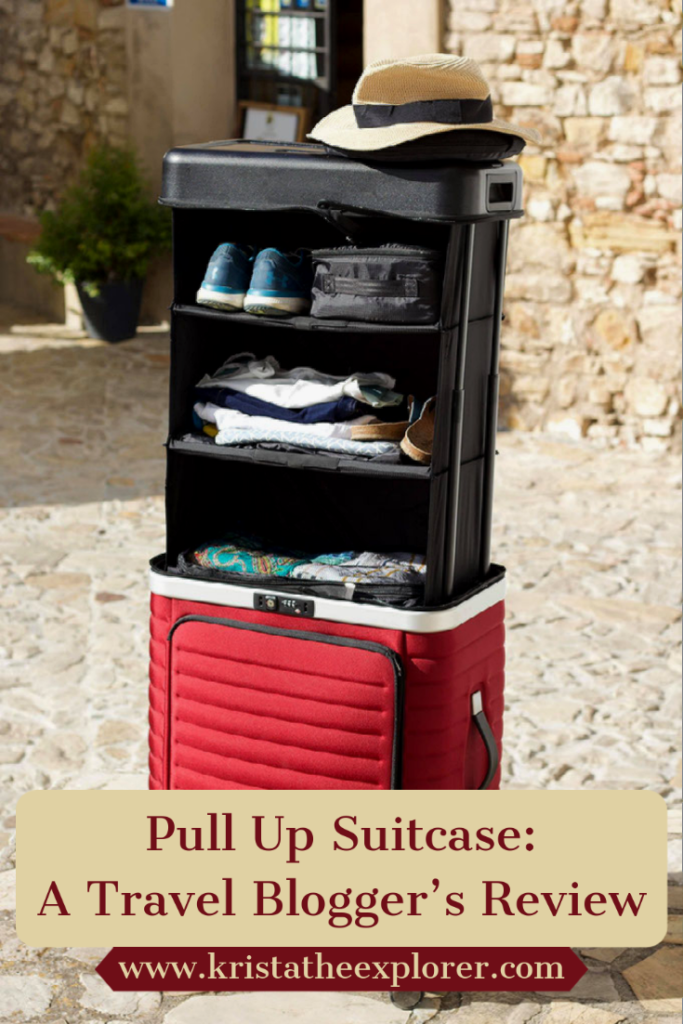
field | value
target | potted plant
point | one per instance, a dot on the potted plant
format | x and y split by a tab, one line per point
102	237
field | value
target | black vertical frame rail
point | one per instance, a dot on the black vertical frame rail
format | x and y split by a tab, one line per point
492	398
448	425
457	410
434	587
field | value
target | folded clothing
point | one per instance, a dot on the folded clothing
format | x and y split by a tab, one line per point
242	553
235	557
232	428
324	412
368	567
301	387
295	434
226	419
393	458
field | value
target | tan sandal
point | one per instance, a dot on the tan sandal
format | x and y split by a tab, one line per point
418	442
379	431
382	431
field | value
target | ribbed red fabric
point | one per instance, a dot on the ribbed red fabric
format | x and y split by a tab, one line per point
234	709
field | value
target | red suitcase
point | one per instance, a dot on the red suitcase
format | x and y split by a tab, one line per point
351	696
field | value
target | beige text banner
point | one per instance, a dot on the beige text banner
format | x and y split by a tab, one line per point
341	868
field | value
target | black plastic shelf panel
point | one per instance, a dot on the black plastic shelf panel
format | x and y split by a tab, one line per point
305	323
205	447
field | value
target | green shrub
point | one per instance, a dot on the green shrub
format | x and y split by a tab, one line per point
106	228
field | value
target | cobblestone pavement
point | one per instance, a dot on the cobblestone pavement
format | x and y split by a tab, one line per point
591	543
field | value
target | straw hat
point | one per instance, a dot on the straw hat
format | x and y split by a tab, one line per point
401	100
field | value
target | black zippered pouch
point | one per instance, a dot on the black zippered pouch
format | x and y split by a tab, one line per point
397	284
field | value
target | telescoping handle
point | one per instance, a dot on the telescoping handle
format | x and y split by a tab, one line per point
486	733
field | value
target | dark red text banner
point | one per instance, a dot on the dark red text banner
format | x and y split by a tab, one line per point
278	969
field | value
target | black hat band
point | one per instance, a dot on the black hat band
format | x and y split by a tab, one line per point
381	115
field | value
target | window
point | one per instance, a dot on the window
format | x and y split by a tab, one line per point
298	53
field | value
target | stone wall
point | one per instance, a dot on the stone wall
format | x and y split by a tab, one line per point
592	342
63	88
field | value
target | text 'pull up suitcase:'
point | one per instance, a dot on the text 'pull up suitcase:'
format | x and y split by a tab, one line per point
277	686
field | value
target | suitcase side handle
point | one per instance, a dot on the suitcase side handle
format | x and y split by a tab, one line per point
486	733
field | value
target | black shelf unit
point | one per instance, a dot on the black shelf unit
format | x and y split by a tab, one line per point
289	195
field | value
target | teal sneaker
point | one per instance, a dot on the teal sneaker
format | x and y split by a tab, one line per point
280	283
227	277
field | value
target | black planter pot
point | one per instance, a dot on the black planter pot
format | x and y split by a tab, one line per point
112	314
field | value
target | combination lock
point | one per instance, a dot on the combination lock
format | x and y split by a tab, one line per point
297	606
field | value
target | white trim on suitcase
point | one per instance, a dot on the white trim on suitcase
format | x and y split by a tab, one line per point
354	613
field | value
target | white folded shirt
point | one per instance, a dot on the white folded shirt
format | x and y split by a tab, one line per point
292	389
367	567
232	418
